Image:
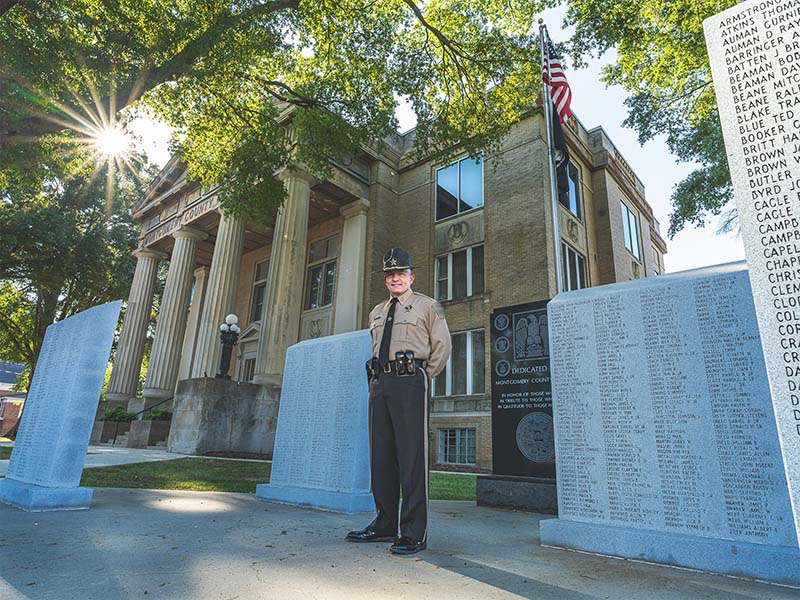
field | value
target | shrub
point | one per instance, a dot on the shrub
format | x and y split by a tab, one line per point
117	414
158	414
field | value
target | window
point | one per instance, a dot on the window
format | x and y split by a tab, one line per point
459	187
459	274
321	273
259	289
2	407
248	370
573	267
658	262
630	226
465	371
572	202
456	446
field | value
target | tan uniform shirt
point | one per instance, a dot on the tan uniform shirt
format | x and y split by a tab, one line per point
418	327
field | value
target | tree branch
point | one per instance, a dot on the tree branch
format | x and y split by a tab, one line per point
296	98
447	44
6	5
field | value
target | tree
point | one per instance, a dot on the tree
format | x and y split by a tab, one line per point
661	59
224	72
63	249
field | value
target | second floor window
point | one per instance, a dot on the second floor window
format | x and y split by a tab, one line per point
259	289
321	276
465	372
459	187
573	202
630	226
459	274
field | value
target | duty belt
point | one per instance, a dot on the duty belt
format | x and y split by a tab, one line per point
401	367
404	365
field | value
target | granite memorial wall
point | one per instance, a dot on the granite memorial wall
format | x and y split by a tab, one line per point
321	456
666	441
50	448
754	50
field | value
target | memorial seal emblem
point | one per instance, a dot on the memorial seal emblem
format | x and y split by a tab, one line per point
501	322
535	437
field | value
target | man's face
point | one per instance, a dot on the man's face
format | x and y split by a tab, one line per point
397	282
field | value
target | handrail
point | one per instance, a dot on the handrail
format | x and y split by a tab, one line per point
150	407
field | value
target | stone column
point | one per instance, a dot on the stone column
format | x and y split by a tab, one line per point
196	307
162	372
283	298
352	259
220	296
132	337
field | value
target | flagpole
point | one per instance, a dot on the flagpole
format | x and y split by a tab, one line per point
548	119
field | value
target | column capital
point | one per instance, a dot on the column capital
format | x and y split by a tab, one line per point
355	208
190	232
149	253
297	173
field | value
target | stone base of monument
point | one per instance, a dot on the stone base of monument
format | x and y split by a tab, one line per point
220	415
776	564
530	494
315	498
37	498
147	433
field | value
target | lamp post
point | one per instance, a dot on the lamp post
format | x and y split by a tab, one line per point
229	335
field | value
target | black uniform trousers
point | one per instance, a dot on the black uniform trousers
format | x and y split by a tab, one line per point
398	432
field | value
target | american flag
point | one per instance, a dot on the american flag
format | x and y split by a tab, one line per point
553	76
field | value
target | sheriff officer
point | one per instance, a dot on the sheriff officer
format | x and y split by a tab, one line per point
410	346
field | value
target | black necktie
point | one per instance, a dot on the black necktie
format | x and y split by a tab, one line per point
386	340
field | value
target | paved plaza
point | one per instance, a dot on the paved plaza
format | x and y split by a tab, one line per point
107	456
198	545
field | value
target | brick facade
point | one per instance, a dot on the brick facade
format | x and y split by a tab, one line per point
9	414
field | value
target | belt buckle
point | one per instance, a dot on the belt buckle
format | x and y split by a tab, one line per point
387	368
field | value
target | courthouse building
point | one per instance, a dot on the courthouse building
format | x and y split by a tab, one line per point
479	232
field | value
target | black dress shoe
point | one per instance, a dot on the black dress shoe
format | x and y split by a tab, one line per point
369	535
405	546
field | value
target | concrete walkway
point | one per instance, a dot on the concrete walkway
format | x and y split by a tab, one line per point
197	545
106	456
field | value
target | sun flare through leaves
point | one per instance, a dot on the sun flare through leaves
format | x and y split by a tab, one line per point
112	141
93	134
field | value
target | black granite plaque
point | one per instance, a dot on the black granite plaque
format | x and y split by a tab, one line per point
522	407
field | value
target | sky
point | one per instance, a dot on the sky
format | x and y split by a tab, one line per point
655	166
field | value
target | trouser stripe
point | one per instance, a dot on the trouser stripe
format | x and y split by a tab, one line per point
426	433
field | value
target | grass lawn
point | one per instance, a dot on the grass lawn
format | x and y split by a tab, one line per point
200	474
452	486
209	475
5	452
